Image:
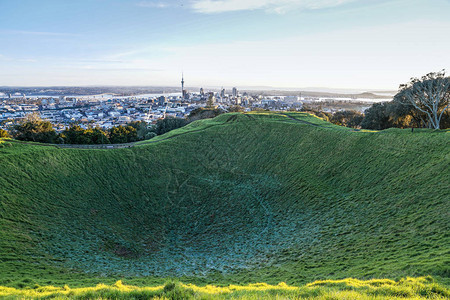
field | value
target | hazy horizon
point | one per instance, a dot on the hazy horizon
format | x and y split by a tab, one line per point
218	88
285	44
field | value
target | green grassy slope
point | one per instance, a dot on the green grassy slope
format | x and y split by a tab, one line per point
240	198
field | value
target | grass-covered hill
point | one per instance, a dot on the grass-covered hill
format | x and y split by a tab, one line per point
239	198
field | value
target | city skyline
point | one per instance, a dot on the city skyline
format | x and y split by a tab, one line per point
337	44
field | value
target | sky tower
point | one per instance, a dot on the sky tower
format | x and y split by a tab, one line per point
182	85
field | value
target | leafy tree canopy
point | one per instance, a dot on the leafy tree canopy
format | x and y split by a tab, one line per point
429	95
3	133
33	128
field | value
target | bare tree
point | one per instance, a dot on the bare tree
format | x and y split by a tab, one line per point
429	95
33	117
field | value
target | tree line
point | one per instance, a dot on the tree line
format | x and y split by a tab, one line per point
420	103
35	129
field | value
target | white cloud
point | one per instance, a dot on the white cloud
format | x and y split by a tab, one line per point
153	4
278	6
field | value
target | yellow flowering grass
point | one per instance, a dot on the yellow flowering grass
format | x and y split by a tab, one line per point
350	288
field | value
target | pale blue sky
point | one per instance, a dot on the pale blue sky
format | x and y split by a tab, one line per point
363	44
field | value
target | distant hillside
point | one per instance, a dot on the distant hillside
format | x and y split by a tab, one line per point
321	94
239	198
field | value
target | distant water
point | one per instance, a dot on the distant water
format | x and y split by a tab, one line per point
99	96
354	99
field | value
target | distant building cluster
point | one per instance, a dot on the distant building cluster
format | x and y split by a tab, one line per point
103	111
109	110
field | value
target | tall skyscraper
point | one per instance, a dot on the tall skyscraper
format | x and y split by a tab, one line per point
182	86
234	92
